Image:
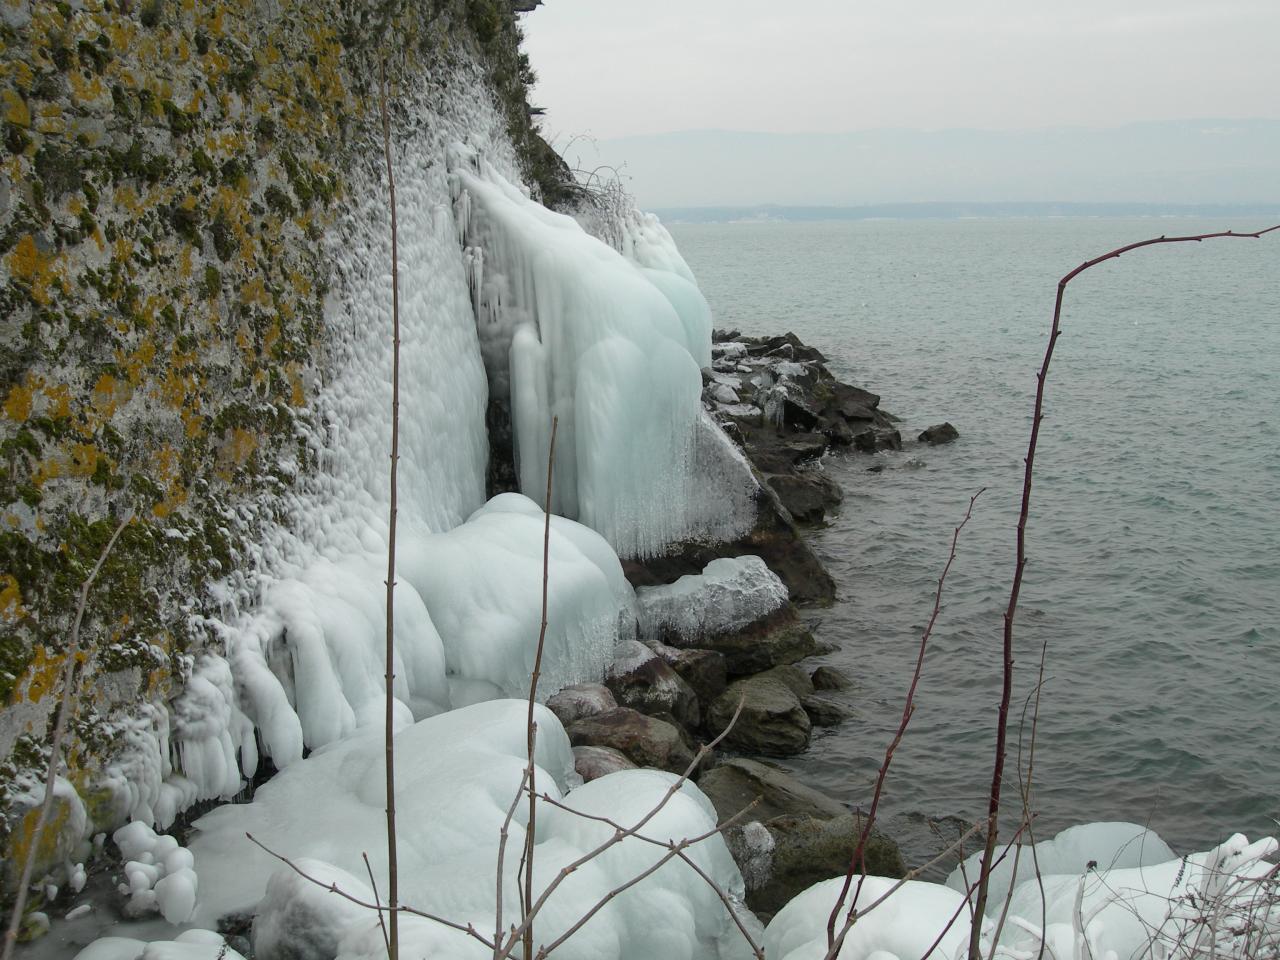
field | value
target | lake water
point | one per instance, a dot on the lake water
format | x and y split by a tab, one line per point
1154	541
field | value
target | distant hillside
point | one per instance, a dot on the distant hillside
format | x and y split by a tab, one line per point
959	211
1219	162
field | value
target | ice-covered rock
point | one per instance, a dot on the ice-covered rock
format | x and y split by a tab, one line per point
902	927
1105	846
457	774
300	920
609	343
581	700
730	593
159	874
188	945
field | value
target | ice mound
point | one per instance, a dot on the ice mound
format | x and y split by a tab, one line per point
1105	845
159	874
468	612
1222	902
902	927
611	345
729	594
188	945
457	774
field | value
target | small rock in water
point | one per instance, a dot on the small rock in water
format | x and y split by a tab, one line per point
939	433
830	678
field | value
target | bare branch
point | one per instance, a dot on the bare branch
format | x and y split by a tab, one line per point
466	928
858	862
69	699
393	873
373	885
526	901
1006	690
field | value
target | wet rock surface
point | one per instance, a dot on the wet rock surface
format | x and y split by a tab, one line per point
645	741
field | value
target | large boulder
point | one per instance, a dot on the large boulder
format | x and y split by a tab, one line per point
735	783
705	671
807	495
645	741
640	679
591	763
827	677
729	594
772	721
809	849
581	700
779	639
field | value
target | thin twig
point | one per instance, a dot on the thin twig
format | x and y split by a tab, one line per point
1006	689
69	694
393	873
674	849
373	885
858	862
530	727
715	887
502	854
517	934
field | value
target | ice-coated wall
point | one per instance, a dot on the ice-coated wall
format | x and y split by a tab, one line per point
608	343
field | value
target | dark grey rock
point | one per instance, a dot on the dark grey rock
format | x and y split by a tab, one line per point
772	721
780	638
736	782
807	850
830	678
939	433
823	711
649	684
808	495
704	670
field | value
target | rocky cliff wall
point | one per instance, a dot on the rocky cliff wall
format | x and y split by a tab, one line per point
171	172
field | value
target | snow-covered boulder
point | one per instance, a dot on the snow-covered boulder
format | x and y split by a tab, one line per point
729	594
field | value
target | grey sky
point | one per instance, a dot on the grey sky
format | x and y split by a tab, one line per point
610	68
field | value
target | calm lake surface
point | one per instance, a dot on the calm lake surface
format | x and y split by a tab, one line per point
1154	543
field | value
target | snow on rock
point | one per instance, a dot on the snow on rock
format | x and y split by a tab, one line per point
457	774
300	920
1105	845
159	873
611	345
729	594
902	927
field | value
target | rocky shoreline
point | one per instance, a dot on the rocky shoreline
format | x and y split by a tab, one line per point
719	626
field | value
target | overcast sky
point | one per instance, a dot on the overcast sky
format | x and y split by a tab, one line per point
610	68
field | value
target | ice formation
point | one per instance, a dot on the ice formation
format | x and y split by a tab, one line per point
159	873
902	926
730	593
1107	846
611	346
1106	891
457	775
188	945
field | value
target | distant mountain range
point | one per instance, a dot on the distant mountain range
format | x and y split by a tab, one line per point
1157	166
